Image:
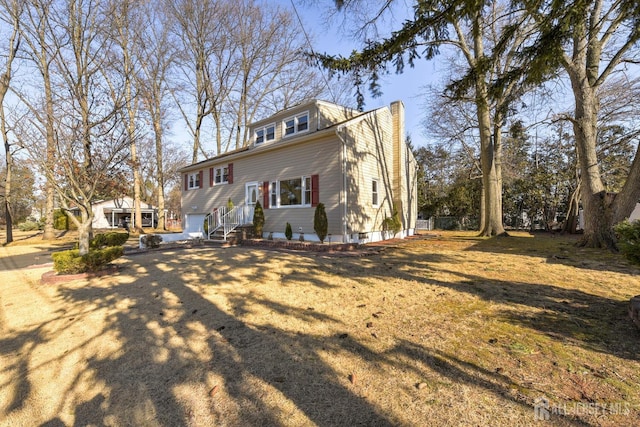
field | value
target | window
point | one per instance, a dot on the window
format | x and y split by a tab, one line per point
291	192
193	181
307	190
266	133
297	124
274	194
374	193
221	175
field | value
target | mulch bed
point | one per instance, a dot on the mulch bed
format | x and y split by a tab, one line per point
52	278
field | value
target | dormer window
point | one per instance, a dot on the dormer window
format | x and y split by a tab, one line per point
296	124
265	134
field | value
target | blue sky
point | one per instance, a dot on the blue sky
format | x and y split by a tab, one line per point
409	87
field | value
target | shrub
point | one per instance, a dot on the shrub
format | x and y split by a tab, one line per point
229	204
393	223
628	234
320	222
29	225
70	262
258	220
109	239
151	240
288	233
60	220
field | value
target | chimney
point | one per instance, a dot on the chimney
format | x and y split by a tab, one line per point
399	159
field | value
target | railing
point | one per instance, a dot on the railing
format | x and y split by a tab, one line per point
214	220
228	219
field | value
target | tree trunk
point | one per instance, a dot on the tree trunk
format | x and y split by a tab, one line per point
8	215
84	232
598	231
571	223
49	226
157	128
49	230
492	224
625	201
7	192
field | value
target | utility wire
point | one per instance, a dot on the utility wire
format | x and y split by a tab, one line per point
334	99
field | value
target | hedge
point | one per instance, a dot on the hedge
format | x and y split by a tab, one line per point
109	239
70	262
628	234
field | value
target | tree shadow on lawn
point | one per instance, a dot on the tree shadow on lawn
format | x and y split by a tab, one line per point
557	249
591	321
174	339
176	345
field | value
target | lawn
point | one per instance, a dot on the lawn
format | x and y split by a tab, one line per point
441	330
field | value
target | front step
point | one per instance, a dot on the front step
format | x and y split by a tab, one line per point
218	237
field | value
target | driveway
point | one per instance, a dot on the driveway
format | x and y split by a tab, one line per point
27	259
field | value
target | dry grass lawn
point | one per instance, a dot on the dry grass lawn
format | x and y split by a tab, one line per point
453	330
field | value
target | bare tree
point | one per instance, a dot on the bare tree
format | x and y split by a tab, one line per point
273	71
89	140
41	52
199	26
156	57
10	12
126	23
605	36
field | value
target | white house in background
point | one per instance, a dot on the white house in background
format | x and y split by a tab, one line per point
635	215
357	164
113	213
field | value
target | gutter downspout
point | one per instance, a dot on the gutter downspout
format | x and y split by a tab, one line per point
344	192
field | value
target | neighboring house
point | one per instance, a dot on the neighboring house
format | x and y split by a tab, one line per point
635	215
113	213
357	164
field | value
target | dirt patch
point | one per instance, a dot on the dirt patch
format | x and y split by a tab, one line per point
451	330
51	277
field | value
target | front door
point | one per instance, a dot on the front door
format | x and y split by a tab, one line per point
252	195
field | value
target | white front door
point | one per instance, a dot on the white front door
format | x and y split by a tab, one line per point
253	190
253	194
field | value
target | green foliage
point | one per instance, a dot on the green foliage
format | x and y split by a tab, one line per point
109	239
628	234
320	222
60	220
229	204
393	223
29	225
288	233
70	262
258	220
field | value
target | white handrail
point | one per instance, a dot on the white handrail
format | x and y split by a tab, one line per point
229	219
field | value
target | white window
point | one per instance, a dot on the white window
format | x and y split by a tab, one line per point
274	194
265	134
221	175
296	124
194	180
375	197
291	192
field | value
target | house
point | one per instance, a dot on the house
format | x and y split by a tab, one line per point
356	163
635	215
113	213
